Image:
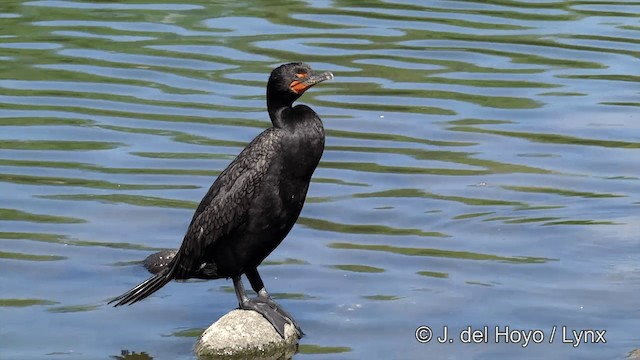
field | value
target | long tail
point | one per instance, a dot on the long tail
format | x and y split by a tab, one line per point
145	289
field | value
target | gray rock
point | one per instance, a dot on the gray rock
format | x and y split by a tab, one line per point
239	334
244	334
634	355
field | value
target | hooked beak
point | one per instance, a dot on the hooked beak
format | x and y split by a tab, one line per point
303	82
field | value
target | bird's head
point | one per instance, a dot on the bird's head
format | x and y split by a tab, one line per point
289	81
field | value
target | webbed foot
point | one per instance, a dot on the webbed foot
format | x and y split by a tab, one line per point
265	298
264	305
268	312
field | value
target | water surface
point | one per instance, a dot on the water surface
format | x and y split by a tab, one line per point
480	170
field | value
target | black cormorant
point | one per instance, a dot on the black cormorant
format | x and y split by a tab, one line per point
254	202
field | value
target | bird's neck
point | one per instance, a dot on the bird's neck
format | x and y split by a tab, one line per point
278	112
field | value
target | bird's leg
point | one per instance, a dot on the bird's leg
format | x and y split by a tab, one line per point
261	307
263	296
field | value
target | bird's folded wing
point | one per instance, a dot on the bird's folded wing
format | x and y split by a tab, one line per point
226	206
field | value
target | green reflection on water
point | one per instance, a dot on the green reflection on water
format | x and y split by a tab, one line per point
372	229
488	166
46	121
30	257
138	200
377	168
621	103
382	297
479	283
179	136
561	93
441	253
185	156
551	138
583	222
106	170
17	215
417	193
610	77
358	268
391	137
563	192
97	184
469	121
25	302
492	83
141	171
471	215
337	181
287	261
58	145
73	308
191	333
374	9
292	296
531	220
434	274
319	349
44	237
388	108
63	239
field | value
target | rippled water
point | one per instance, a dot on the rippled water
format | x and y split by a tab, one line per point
480	170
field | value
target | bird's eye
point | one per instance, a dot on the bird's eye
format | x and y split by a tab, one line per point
301	74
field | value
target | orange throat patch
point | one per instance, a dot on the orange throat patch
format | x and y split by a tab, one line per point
298	86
